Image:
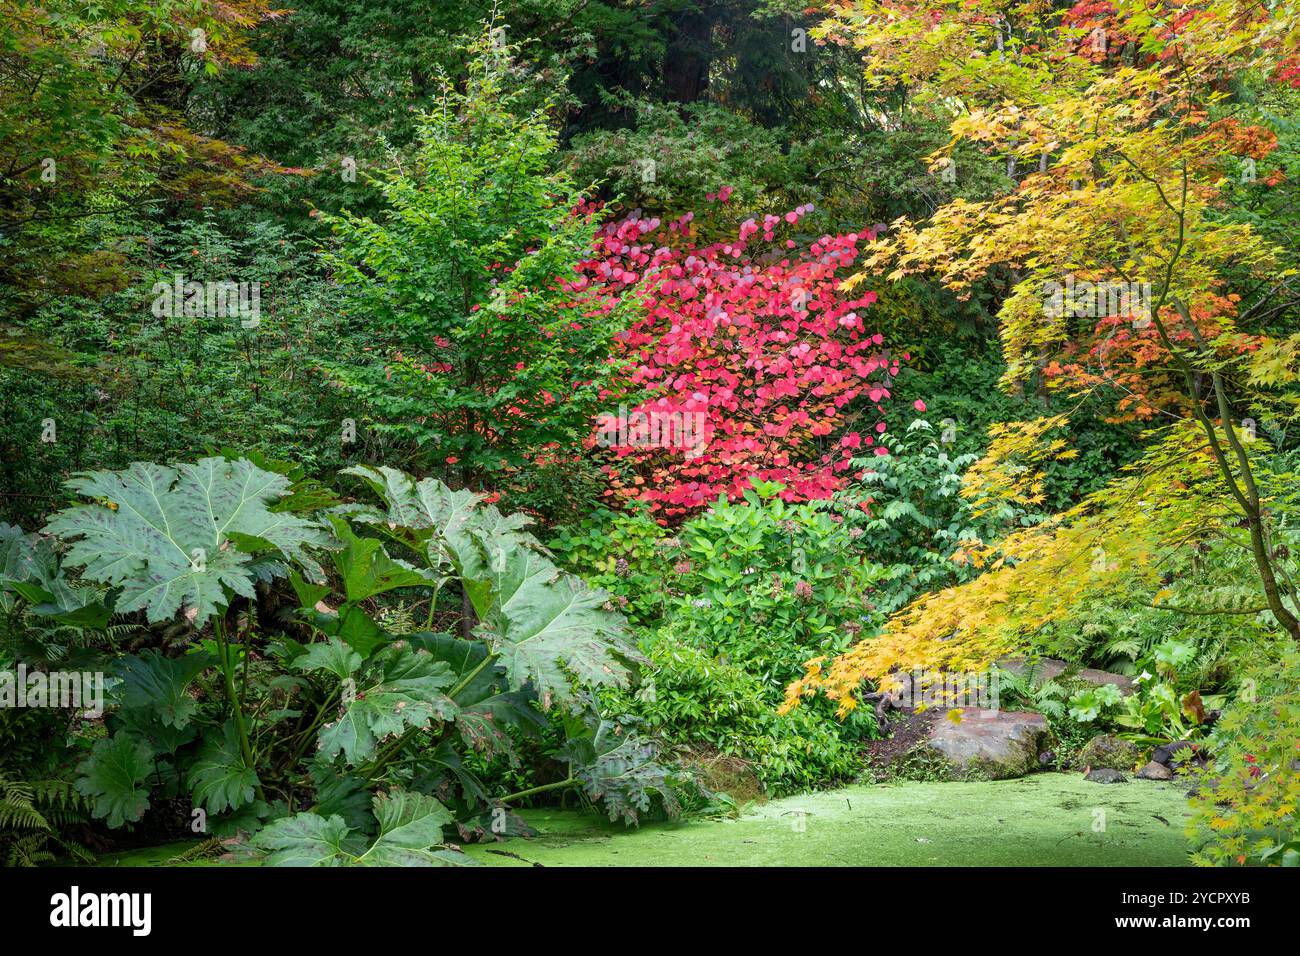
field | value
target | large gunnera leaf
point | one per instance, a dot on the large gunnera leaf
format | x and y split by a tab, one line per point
30	569
489	716
616	767
367	570
304	839
218	779
410	834
115	778
160	685
548	628
177	538
440	521
402	688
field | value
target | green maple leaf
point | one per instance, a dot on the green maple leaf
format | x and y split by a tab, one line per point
179	538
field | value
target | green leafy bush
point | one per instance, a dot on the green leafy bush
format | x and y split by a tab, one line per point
737	601
695	149
766	585
708	708
915	517
625	553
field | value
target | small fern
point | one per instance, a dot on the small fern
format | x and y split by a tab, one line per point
203	850
1023	690
17	807
29	850
32	816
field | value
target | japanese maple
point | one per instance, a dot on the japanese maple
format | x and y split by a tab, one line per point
1113	121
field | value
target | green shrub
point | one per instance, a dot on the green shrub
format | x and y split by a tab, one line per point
625	553
745	594
766	585
916	516
709	707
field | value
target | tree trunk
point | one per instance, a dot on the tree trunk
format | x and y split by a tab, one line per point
690	53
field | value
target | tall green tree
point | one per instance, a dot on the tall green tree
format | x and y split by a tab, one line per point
480	350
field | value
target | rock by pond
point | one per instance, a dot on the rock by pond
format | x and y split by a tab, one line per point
1108	752
1155	771
988	744
1105	775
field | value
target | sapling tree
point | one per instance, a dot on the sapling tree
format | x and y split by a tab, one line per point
479	353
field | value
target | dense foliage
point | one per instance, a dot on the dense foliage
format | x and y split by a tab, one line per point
414	416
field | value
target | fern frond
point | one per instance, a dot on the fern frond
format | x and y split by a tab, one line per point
1049	690
205	850
1124	647
1051	708
29	851
31	812
17	809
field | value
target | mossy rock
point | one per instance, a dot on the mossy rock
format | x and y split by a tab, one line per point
1108	752
990	745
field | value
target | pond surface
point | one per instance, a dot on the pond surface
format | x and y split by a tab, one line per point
1047	819
1050	819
